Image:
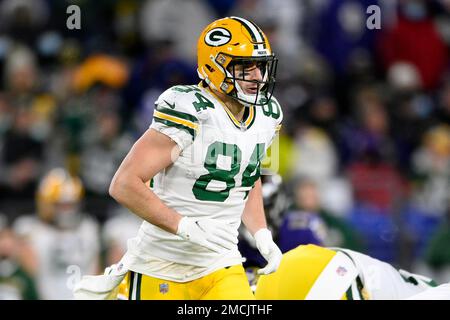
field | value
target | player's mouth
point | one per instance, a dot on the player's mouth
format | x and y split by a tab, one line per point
252	90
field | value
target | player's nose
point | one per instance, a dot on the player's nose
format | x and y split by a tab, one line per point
255	74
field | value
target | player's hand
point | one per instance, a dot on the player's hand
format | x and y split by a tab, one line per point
269	250
209	233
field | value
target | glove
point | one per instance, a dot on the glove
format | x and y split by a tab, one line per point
212	234
269	250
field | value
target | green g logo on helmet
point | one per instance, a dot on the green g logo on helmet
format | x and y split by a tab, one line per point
217	37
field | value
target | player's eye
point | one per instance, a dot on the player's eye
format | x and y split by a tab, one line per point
244	69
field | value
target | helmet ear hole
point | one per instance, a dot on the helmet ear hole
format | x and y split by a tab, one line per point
210	69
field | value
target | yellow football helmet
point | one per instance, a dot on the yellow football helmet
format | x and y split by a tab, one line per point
230	41
58	197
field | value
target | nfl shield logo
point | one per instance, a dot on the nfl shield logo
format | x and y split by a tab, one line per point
164	288
341	271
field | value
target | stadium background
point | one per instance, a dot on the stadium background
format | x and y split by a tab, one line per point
365	145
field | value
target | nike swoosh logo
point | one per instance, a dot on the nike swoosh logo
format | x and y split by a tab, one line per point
172	106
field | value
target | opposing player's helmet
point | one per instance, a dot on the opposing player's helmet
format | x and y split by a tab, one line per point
230	41
58	197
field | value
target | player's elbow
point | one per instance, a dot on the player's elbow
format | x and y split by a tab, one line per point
118	187
113	188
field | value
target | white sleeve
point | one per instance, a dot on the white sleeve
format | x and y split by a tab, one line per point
175	117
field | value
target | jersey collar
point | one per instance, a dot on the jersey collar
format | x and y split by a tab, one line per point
249	113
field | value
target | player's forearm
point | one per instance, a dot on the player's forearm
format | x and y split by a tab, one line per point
141	200
253	216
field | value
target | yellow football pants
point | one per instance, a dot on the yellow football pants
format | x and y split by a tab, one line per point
228	283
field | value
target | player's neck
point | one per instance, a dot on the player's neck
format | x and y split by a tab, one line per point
232	105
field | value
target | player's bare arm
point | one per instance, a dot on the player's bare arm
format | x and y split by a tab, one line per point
254	220
150	154
253	216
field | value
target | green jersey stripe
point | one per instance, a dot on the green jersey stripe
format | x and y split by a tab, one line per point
138	289
179	114
176	125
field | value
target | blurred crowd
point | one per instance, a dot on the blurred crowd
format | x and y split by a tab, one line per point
364	147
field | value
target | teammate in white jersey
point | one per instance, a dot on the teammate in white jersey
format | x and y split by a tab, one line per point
310	272
202	154
60	242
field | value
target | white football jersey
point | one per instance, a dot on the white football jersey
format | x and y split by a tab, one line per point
63	255
381	281
218	166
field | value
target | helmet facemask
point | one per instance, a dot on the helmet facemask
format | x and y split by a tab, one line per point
264	88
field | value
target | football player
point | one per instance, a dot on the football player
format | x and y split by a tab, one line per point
311	272
60	242
202	154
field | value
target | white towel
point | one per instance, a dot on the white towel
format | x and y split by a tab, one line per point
101	287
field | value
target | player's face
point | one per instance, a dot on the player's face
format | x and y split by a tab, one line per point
249	71
67	215
307	196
